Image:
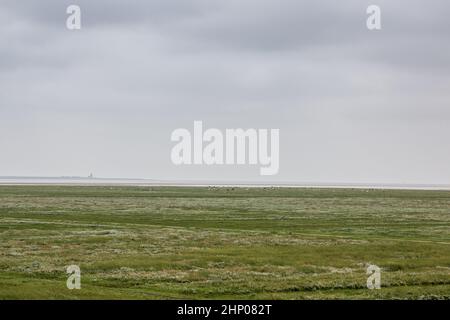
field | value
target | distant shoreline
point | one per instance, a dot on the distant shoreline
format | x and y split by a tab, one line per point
80	181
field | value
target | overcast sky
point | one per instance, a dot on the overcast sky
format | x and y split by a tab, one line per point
352	105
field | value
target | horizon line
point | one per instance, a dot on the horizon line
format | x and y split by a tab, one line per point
99	181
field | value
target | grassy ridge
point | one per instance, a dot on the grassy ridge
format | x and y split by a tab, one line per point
181	242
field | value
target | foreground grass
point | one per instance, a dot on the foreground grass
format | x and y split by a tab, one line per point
264	243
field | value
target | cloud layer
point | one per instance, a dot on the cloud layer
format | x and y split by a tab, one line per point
352	105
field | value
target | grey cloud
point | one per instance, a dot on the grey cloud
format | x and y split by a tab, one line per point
343	97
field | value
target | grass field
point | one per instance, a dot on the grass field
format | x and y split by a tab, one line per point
211	243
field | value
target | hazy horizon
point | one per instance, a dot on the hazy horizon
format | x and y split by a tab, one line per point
112	181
